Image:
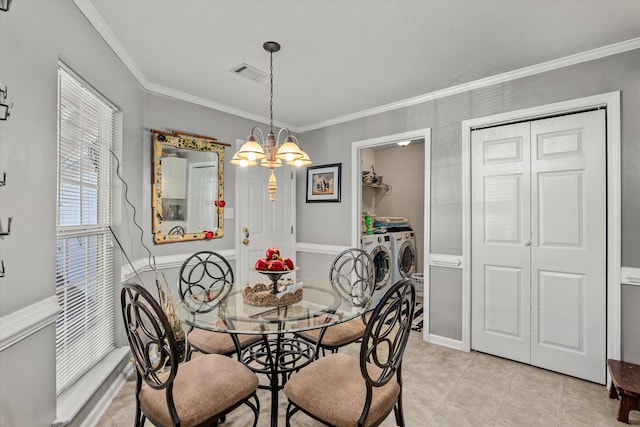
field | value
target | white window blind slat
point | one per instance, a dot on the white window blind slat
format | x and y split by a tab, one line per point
84	254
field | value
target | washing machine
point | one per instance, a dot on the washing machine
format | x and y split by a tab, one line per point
378	246
403	255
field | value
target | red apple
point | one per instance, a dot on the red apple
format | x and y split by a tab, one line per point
276	265
288	262
273	253
262	264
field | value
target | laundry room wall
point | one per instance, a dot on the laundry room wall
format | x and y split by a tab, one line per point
367	160
403	169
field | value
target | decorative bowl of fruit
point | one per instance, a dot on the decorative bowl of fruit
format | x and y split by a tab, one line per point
274	266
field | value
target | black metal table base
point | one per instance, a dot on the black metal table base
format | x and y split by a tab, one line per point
276	358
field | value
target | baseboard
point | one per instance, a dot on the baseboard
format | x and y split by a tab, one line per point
101	407
444	341
72	401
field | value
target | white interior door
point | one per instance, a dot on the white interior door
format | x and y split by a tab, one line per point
539	243
202	214
568	260
501	234
261	222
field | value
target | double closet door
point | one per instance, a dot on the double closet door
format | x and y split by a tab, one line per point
539	243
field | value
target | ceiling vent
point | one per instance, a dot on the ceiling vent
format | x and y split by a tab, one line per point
249	72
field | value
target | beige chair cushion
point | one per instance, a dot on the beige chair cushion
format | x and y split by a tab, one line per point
333	390
203	387
218	342
337	335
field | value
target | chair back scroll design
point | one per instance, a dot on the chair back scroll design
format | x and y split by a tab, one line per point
205	273
385	340
352	275
151	340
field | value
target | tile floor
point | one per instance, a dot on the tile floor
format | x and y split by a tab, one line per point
445	387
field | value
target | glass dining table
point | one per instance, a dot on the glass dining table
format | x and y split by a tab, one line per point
279	351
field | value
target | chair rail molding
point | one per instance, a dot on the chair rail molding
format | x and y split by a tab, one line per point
20	324
163	263
448	261
630	276
317	248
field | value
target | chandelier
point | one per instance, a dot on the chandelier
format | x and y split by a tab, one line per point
270	152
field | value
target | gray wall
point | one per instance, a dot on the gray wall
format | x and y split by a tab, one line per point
33	36
165	113
444	116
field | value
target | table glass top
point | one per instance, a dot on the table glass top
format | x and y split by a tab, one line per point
320	306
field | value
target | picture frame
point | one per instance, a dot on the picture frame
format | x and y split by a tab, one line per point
324	183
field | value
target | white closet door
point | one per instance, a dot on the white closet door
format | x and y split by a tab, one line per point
568	262
539	243
501	233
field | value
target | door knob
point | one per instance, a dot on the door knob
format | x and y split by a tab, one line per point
245	242
245	230
527	243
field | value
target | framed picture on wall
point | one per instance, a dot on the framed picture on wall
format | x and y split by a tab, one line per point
323	183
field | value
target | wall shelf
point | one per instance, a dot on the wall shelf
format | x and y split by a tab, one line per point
385	187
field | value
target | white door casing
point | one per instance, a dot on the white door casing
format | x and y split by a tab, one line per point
539	281
267	223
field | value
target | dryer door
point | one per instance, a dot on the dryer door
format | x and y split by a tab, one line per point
407	259
382	264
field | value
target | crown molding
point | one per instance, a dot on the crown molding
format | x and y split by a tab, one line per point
105	31
163	90
543	67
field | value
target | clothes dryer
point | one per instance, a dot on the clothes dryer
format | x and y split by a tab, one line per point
378	246
403	255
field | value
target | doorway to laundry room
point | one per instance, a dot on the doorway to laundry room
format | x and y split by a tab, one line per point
391	184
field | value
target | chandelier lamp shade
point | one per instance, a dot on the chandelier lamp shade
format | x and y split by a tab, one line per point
270	152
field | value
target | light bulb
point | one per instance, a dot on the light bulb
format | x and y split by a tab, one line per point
251	156
288	157
244	163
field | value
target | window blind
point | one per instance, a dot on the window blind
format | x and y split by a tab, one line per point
84	251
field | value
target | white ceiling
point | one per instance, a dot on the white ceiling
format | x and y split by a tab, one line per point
341	58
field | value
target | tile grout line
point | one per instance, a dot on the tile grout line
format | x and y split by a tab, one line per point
451	389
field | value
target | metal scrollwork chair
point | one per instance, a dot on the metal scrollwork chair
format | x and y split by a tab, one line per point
352	275
209	273
177	231
342	390
195	393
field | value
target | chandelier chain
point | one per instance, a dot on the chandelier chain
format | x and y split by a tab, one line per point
271	92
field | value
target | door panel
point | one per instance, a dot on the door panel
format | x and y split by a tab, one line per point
500	230
502	301
561	209
568	259
561	302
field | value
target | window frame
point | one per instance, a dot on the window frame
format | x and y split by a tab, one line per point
91	136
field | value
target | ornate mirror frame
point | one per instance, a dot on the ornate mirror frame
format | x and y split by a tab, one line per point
183	141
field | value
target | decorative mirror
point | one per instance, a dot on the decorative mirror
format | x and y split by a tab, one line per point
188	187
